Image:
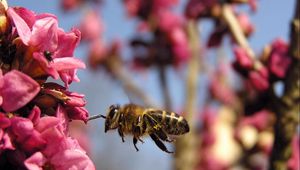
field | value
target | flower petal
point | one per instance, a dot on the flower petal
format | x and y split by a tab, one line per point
72	159
45	29
22	27
18	90
67	63
36	161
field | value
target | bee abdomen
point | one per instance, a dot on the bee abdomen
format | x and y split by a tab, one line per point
173	123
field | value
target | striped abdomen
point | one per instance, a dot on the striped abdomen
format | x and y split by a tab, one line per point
173	124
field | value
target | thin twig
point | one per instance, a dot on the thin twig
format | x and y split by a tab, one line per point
236	29
127	81
165	89
237	33
186	146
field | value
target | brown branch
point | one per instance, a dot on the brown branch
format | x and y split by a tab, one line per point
287	107
115	66
237	33
186	146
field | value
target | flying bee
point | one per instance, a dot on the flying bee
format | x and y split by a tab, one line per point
139	121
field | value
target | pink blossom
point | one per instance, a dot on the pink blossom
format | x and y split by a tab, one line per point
68	5
73	102
55	55
253	4
97	53
28	139
220	89
61	151
16	90
180	45
4	121
168	20
242	58
163	4
259	79
35	161
260	120
132	6
5	141
279	61
91	26
144	9
246	25
198	8
78	113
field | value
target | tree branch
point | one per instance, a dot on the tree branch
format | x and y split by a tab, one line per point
287	107
186	146
115	66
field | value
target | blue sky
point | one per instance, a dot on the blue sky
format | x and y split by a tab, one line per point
272	20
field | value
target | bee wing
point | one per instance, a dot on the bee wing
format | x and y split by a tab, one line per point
157	127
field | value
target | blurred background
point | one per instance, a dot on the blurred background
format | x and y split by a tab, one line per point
101	90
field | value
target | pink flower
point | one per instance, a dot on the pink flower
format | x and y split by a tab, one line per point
279	61
68	5
253	4
246	25
260	120
58	95
28	139
180	45
16	90
55	55
259	79
61	151
242	58
97	53
163	4
132	6
219	87
168	20
5	140
144	9
199	8
91	26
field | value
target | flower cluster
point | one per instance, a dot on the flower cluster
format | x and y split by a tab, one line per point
35	113
275	62
163	39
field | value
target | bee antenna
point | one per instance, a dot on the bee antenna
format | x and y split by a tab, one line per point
96	117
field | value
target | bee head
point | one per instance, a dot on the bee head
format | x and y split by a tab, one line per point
112	118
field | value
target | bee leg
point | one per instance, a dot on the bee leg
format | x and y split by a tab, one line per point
121	134
159	143
137	128
121	124
134	143
137	132
140	140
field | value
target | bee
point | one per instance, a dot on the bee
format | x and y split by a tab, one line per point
139	121
48	56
